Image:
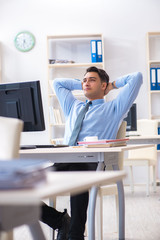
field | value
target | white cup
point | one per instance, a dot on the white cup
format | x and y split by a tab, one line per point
91	139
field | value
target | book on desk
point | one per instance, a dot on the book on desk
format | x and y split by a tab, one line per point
104	143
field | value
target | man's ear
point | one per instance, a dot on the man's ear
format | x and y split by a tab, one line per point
82	85
104	86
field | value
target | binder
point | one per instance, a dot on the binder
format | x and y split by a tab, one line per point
99	51
153	78
158	78
93	51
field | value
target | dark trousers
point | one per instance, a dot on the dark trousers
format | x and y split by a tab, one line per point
79	204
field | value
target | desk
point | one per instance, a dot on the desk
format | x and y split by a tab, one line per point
25	204
144	139
82	154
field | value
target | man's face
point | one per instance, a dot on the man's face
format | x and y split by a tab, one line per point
93	87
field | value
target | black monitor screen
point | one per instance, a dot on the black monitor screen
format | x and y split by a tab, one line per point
23	100
131	119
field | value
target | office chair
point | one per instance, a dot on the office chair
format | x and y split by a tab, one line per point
147	157
10	131
110	189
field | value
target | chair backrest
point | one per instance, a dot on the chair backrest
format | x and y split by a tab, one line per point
10	133
145	127
121	134
122	130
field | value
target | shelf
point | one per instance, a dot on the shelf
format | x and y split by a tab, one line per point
75	36
156	118
76	48
154	61
155	91
57	140
68	65
153	34
52	95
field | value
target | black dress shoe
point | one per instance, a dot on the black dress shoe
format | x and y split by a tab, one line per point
64	229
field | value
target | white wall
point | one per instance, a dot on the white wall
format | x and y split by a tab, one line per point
124	25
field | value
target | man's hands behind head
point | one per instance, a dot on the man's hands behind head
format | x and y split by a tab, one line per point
108	89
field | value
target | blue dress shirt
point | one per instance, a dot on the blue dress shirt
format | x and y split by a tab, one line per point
103	118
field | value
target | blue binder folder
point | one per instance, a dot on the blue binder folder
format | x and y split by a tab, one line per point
93	51
153	78
158	78
99	51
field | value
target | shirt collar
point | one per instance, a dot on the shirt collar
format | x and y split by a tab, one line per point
97	101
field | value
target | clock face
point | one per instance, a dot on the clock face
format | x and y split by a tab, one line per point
24	41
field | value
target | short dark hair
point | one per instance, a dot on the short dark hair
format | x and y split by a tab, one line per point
102	73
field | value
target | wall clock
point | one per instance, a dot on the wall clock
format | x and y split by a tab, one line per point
24	41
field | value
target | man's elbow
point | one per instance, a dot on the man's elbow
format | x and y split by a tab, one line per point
56	82
139	77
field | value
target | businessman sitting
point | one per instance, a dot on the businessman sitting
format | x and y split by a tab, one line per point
95	117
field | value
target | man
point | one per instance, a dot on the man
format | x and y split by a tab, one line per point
103	120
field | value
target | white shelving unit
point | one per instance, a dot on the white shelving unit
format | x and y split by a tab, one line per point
153	59
77	50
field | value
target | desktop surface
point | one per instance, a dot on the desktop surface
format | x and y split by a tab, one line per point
80	149
55	185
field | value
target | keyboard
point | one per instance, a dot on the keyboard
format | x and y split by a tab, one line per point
51	146
42	146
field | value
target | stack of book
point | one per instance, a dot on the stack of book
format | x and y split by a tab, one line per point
104	143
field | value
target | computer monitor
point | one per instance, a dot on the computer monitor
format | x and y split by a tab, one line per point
131	119
23	100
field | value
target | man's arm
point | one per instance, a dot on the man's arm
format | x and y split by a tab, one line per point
63	88
130	85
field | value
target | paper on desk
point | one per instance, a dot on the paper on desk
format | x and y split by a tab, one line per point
22	173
